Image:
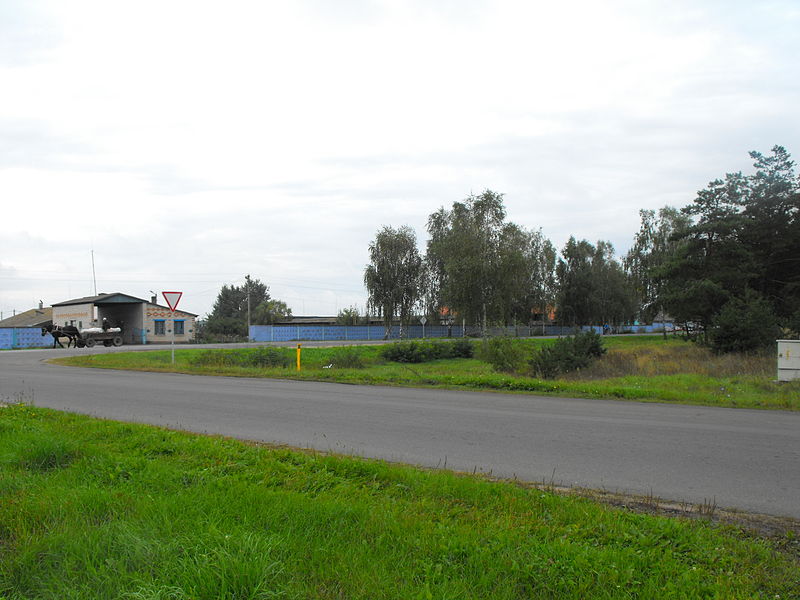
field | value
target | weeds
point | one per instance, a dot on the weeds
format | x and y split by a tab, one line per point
672	359
348	358
42	454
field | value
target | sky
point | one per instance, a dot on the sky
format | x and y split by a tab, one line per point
182	145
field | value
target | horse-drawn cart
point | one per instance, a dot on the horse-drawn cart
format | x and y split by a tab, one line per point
111	336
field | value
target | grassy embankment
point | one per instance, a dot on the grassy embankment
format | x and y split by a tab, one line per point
636	368
97	509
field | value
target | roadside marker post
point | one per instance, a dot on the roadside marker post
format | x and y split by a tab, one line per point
172	299
298	357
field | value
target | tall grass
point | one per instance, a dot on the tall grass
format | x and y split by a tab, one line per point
143	512
671	359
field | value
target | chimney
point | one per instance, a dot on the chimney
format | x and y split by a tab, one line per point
153	299
41	305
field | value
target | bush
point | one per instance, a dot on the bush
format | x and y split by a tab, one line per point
257	357
791	328
347	358
461	348
744	325
567	354
406	352
425	351
504	354
267	357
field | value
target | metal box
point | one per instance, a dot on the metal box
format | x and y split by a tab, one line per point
788	360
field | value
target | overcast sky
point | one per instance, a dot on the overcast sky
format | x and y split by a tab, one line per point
190	143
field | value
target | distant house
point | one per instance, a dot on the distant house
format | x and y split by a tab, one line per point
294	320
306	321
142	322
35	317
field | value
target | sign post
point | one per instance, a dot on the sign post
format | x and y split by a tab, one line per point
172	299
423	319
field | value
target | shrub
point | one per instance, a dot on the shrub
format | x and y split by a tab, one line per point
791	329
743	325
461	348
504	354
348	358
425	351
267	357
567	354
261	357
405	352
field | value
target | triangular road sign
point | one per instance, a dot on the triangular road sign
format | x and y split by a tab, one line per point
172	299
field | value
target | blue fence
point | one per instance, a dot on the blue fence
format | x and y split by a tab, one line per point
23	337
324	333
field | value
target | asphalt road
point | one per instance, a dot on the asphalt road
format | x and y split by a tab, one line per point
736	458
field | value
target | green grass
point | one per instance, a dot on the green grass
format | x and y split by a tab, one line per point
642	368
97	509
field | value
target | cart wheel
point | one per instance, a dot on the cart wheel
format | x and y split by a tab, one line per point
117	341
106	343
90	343
80	343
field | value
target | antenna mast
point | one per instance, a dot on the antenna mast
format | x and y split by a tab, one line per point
94	277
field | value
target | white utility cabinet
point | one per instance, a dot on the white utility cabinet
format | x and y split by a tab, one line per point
788	360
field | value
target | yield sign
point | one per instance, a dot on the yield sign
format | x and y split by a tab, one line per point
172	299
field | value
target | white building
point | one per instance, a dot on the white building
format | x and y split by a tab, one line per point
142	322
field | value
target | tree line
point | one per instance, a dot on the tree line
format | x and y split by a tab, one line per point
729	258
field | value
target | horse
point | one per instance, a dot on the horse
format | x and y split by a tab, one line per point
57	331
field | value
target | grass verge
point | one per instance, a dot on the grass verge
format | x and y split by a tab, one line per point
648	369
99	509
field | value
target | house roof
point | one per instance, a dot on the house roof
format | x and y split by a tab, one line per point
114	298
318	320
306	321
35	317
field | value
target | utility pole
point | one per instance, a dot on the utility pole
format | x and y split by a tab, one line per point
94	277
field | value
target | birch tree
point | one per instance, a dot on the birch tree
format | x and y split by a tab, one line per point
394	275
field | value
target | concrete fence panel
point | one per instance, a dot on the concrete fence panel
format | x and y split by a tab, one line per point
23	337
324	333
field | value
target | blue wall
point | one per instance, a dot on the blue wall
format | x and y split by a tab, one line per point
287	333
322	333
24	337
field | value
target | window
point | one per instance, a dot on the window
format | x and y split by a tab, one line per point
159	323
178	327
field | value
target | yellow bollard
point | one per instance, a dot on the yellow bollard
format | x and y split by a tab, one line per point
298	357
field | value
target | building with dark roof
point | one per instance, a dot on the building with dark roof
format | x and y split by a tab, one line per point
142	321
